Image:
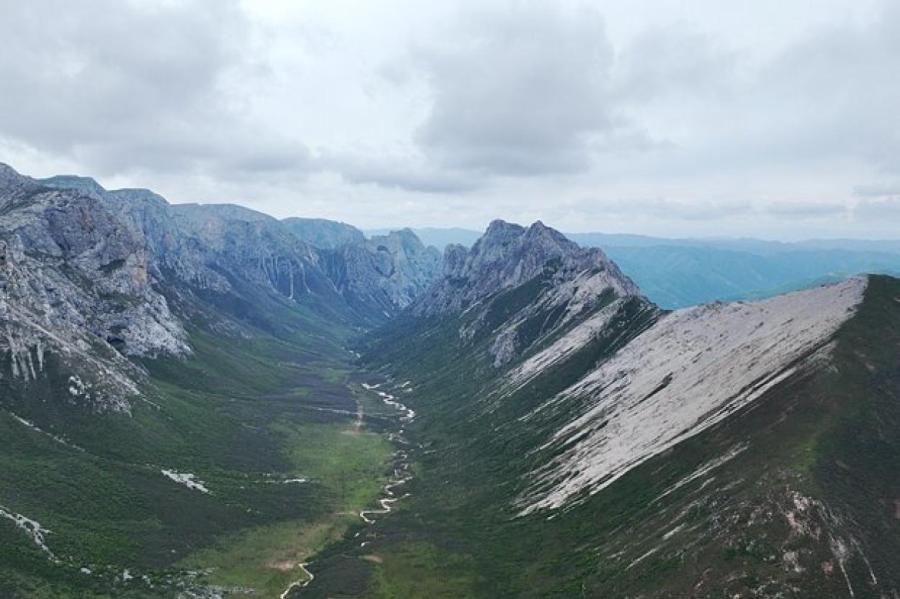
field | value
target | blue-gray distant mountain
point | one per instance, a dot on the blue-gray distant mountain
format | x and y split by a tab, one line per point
675	273
322	233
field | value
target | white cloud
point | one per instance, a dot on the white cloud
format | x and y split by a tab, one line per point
644	116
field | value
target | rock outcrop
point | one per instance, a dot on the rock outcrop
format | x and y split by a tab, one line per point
384	274
558	283
76	285
509	255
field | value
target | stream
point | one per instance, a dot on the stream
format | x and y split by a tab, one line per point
401	474
401	465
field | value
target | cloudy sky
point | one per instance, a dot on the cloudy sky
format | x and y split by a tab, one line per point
773	118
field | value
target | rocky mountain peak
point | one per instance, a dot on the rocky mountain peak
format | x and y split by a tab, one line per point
10	179
401	240
455	259
508	255
384	273
406	234
138	195
541	233
499	228
8	173
85	185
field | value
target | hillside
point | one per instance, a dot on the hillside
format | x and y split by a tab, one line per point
741	450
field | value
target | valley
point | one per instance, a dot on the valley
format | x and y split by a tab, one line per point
201	401
251	455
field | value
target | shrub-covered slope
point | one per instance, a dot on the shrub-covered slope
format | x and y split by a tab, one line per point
744	449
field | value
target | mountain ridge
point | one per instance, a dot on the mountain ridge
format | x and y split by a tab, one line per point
525	442
677	273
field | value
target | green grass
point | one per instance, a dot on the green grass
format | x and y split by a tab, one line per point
266	558
238	410
419	569
348	468
352	466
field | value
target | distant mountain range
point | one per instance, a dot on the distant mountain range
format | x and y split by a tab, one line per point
676	273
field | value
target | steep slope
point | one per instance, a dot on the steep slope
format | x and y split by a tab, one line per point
519	287
231	255
438	237
509	255
77	295
380	275
740	450
384	274
675	273
180	416
686	373
224	255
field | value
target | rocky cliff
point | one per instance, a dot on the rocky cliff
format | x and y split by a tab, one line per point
566	283
77	293
602	447
384	274
92	277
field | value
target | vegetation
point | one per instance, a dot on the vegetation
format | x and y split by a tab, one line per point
820	441
244	417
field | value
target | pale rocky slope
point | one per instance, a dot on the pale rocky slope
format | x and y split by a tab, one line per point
689	371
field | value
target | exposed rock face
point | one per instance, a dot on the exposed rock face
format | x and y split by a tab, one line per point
385	273
509	255
324	234
569	283
232	241
379	276
76	284
91	277
86	185
693	368
216	248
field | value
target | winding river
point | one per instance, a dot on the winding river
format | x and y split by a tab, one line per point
401	474
401	466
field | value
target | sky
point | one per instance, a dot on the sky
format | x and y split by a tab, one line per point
776	119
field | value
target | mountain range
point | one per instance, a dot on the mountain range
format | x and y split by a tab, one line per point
676	273
204	401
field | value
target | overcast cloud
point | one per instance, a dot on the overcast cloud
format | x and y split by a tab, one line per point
774	119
